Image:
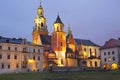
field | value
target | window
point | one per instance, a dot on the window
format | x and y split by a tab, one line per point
8	66
8	48
33	57
41	24
109	58
90	63
0	56
113	53
61	61
108	53
90	52
3	66
104	53
38	57
15	56
113	58
8	56
61	43
85	49
33	50
17	65
38	50
95	52
0	47
105	59
15	48
61	36
95	64
24	50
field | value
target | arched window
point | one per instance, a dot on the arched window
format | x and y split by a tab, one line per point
90	63
95	64
90	52
41	24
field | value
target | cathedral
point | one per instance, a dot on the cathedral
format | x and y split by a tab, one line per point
61	48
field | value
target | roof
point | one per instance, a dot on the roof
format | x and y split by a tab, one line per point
58	20
13	40
86	42
111	43
46	39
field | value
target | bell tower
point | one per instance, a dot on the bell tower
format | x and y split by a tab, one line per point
40	27
59	41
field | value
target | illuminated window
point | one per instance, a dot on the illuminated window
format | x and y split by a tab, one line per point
109	58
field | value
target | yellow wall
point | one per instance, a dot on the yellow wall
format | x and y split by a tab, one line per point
71	62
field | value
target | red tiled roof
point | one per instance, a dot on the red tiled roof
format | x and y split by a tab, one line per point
111	43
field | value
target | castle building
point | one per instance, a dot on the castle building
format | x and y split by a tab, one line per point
61	48
19	55
110	54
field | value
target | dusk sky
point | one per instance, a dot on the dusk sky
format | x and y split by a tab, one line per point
96	20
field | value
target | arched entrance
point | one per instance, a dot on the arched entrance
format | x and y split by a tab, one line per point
114	66
107	66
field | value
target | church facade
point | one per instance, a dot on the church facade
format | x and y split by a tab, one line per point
61	48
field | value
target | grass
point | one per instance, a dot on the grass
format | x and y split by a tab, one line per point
110	75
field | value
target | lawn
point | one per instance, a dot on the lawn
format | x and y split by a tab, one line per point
109	75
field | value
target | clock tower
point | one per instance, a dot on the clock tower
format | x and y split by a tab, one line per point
40	27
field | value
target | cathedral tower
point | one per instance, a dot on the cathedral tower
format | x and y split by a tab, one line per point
59	41
40	27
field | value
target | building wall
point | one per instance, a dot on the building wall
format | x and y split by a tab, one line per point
109	56
15	57
71	62
88	50
93	63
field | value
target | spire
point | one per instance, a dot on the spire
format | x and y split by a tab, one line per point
69	31
40	2
58	20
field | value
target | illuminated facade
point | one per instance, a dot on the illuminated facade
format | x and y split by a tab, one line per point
110	54
89	53
59	41
19	55
61	49
40	27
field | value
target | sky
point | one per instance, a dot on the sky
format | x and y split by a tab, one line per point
96	20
